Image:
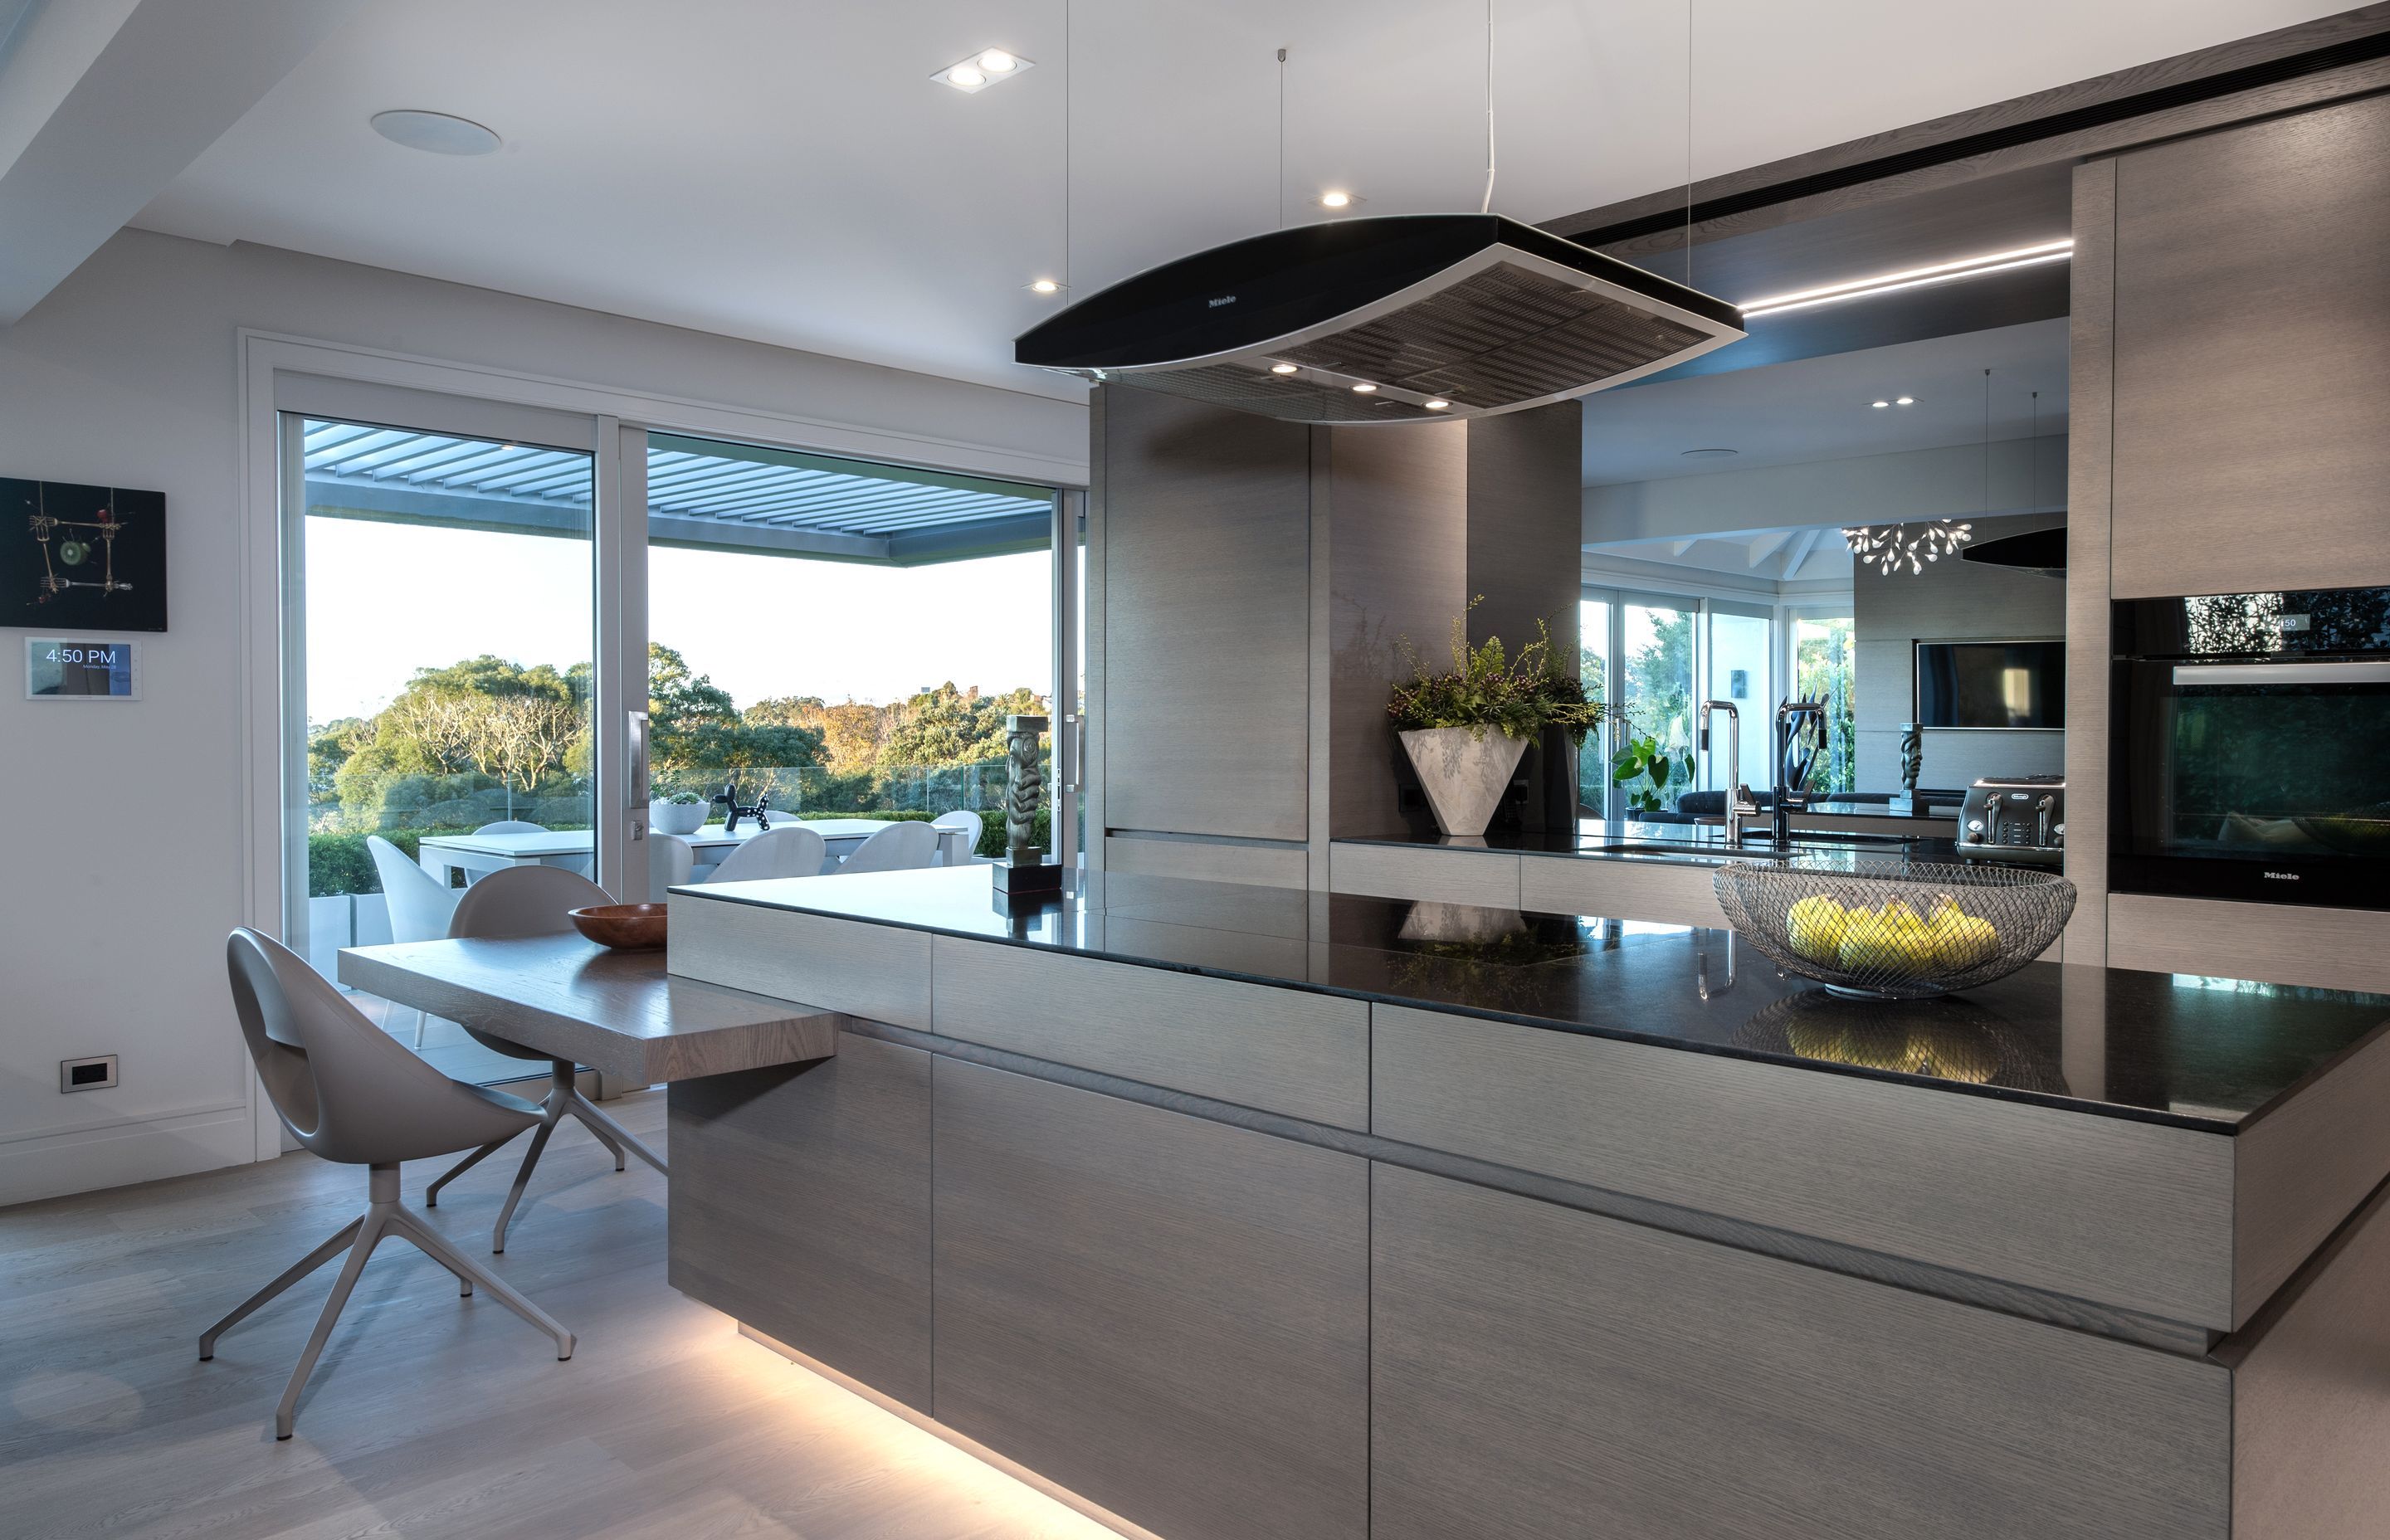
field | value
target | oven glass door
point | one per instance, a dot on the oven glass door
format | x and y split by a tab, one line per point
2261	780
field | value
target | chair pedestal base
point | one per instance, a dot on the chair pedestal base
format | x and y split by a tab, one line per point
563	1100
385	1216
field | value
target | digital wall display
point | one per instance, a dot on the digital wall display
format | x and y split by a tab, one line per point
82	557
81	668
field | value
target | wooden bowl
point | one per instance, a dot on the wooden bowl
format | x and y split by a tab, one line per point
623	926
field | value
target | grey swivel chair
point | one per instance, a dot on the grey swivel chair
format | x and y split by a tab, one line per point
353	1094
533	901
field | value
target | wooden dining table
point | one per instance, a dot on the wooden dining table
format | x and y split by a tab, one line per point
620	1013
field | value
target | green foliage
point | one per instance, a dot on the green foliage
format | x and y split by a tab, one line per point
1824	652
1486	688
1659	694
1640	760
684	799
340	864
694	728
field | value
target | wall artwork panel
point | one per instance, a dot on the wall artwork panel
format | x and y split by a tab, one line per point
82	557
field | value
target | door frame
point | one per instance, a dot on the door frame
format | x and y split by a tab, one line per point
339	376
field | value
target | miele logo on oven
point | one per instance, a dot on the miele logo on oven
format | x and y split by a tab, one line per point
2281	876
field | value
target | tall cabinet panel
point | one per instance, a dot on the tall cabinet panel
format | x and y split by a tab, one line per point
1207	622
1167	1315
2252	357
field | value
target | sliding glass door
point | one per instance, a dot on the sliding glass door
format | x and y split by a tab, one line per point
1662	658
439	650
841	639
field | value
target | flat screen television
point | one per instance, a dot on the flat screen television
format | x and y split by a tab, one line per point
2010	685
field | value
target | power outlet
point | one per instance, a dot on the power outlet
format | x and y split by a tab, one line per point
96	1073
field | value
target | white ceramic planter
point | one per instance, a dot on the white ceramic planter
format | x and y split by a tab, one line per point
676	817
1463	774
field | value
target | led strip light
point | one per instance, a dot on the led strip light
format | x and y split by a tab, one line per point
1915	278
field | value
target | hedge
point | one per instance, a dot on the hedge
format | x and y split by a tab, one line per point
340	864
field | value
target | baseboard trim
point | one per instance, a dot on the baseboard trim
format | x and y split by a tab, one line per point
86	1159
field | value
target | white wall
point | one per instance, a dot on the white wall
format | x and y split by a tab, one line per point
125	852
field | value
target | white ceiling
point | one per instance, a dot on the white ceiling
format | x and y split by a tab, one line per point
787	172
1819	408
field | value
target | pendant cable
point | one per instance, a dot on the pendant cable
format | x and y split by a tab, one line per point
1282	138
1485	205
1688	144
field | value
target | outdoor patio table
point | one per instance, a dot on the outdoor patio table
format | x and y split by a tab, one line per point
479	854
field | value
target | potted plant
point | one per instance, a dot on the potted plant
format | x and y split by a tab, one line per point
682	813
1465	729
1641	760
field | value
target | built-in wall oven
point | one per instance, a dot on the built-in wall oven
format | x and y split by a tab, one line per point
2250	756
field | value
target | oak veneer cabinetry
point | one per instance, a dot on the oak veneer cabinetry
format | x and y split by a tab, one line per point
801	1206
1305	1055
1489	878
2252	363
1207	686
2124	1214
1665	894
1167	1315
1538	1371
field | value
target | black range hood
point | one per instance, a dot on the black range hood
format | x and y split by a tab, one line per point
1440	315
2042	551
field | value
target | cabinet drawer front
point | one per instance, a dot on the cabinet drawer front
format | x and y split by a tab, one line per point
1619	890
875	971
2124	1213
1444	877
1540	1371
1168	1317
1306	1056
1209	861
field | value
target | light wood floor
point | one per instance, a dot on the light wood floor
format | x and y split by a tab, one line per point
431	1415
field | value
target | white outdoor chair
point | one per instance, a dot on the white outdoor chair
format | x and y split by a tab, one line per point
512	825
970	823
792	850
533	901
895	848
419	904
671	859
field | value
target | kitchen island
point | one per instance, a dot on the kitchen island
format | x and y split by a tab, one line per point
1241	1212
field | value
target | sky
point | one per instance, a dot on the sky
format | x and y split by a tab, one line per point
386	599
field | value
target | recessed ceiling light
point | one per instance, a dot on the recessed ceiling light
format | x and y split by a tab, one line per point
983	69
1879	405
1363	388
1906	401
1044	286
1437	405
1283	369
1335	200
1966	268
436	132
1710	454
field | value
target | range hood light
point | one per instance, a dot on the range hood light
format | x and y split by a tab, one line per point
1437	405
1363	388
1283	369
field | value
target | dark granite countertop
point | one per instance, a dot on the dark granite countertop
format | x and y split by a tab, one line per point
2207	1054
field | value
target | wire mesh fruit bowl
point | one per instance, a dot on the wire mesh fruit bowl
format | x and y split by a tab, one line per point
1902	933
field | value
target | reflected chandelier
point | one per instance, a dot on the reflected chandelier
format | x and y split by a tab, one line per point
1887	548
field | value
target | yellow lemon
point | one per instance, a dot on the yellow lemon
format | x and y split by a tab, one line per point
1815	927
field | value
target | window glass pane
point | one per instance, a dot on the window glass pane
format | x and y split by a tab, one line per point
439	628
1738	673
843	639
1823	655
1593	667
1658	697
